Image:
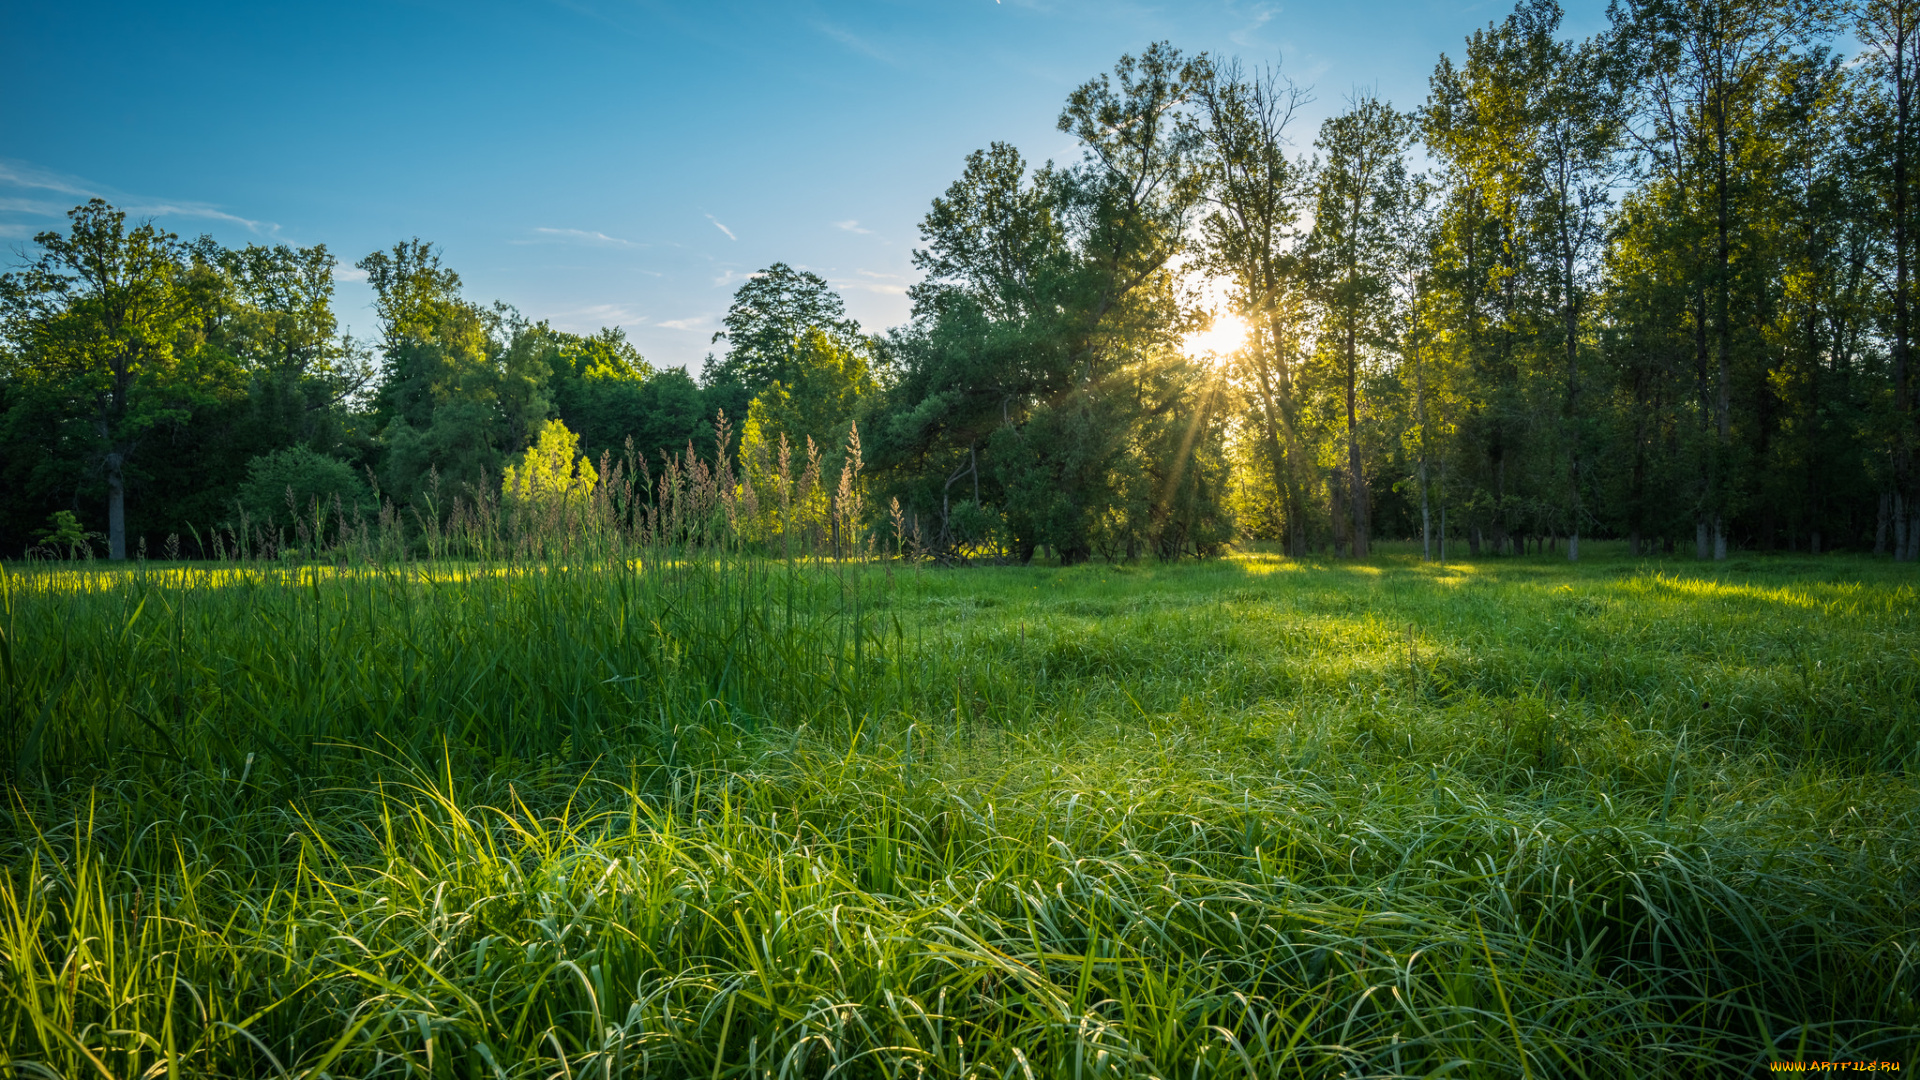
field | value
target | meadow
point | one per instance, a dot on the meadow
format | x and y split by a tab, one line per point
722	816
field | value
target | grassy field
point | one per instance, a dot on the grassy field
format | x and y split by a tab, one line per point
728	818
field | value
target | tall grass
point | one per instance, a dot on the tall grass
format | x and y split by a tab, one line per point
692	811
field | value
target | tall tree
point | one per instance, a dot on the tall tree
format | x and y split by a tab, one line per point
771	311
1702	66
1362	183
106	321
438	407
1577	136
1249	234
1890	32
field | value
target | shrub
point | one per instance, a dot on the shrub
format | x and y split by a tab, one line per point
309	476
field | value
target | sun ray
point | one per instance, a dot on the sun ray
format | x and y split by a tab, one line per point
1223	336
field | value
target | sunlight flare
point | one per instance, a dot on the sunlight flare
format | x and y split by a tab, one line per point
1223	337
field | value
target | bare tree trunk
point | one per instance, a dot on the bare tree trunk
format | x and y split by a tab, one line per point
1339	521
1904	480
1426	516
1357	483
1723	328
1573	406
116	507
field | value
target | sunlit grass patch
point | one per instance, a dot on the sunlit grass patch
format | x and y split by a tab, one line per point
1246	818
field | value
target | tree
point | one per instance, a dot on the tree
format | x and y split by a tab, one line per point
1248	237
1048	297
551	471
1701	68
1361	185
1576	133
771	311
104	322
829	380
439	405
1890	32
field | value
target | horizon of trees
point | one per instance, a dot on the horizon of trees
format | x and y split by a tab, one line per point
1656	286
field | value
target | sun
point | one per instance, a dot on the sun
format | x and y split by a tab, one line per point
1224	336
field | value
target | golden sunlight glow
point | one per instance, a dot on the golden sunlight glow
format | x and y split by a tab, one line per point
1224	337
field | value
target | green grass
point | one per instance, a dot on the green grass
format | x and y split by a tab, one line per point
729	818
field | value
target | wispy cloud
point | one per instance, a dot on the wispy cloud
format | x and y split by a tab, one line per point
589	237
1248	36
722	228
36	207
22	175
696	322
852	226
342	272
597	315
858	44
872	281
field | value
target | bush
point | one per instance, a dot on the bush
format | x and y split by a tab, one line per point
309	476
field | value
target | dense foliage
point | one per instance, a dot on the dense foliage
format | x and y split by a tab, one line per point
1656	285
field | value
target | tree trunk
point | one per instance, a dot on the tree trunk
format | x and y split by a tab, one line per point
116	507
1723	328
1700	545
1573	407
1904	480
1337	513
1426	517
1357	483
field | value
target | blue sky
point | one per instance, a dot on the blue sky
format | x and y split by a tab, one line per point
610	162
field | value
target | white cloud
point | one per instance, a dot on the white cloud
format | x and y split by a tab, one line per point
1248	36
594	316
583	236
349	273
722	228
873	287
697	322
20	174
852	226
36	207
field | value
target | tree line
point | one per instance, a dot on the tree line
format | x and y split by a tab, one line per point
1654	285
